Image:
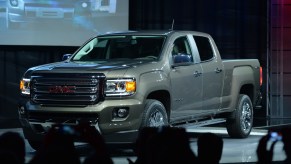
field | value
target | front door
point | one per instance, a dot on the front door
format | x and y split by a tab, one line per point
186	83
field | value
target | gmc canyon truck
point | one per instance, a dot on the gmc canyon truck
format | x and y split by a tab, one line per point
121	82
23	11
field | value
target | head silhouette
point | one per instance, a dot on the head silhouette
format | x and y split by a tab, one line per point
12	144
286	134
209	148
170	145
58	147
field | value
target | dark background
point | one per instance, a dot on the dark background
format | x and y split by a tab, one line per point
239	27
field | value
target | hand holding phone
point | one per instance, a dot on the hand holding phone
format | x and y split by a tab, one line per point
275	136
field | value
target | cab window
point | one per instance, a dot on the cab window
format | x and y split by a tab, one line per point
204	48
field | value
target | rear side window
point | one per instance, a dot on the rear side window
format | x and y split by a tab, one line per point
204	48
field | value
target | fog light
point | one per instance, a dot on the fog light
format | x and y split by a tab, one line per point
120	112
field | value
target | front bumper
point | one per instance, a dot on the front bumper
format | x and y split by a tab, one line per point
37	120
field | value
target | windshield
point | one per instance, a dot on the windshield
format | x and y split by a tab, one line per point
121	47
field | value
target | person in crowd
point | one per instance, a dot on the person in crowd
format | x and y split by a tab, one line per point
210	148
91	135
141	144
286	138
169	145
58	147
12	148
265	154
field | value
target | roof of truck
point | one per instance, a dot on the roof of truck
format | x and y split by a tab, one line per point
153	32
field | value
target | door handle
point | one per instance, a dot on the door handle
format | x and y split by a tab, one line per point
217	70
196	73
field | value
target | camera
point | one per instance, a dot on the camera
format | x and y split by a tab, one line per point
66	130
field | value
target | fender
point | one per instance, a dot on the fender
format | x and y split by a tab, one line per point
241	76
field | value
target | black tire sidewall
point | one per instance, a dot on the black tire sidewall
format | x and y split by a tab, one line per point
150	107
234	124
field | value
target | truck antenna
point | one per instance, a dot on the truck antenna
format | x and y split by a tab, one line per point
173	22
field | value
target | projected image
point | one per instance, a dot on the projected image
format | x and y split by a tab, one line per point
60	22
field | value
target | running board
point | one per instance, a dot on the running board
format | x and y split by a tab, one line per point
197	123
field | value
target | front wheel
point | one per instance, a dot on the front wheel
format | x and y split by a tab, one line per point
154	115
240	123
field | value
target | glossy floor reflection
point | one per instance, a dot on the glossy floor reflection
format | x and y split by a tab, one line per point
234	150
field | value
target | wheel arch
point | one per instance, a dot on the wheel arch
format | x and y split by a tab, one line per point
248	89
243	82
164	97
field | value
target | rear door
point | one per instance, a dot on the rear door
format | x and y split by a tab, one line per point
212	74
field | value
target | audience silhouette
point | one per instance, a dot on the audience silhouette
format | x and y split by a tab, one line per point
92	136
12	148
265	154
210	148
58	147
165	145
286	138
142	144
154	145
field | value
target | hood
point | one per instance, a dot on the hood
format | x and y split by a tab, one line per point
104	66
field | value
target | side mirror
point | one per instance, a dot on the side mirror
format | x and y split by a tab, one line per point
182	58
66	56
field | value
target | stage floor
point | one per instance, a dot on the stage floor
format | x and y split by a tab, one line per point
234	150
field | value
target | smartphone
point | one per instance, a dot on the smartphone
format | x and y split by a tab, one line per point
67	130
275	136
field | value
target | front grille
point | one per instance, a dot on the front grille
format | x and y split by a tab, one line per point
67	89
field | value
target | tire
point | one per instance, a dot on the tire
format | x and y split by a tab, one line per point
240	123
154	115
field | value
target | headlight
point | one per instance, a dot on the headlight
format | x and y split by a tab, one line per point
120	87
25	86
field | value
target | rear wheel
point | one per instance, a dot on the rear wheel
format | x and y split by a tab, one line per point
240	123
154	115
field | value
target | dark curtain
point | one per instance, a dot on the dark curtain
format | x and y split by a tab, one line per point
239	27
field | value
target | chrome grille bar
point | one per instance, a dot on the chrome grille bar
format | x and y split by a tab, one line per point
66	89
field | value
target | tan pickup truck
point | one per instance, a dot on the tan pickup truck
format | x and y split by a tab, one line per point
122	82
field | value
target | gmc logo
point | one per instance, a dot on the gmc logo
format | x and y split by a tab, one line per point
62	89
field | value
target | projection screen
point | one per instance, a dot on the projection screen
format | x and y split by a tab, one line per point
59	22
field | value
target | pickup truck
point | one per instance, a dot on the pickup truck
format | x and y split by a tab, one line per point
24	11
122	82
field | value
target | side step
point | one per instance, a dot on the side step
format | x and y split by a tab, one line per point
199	123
